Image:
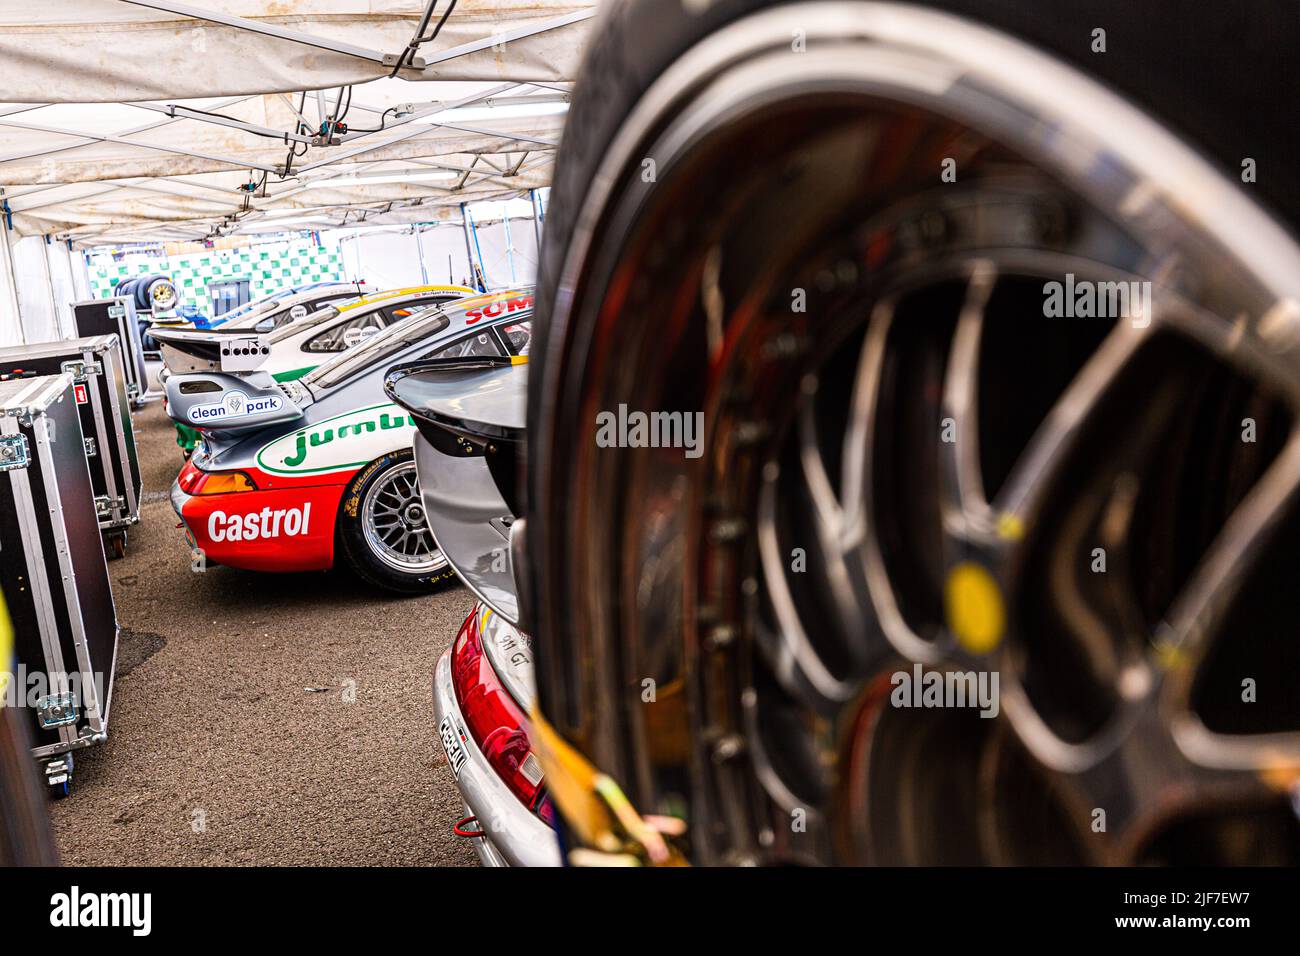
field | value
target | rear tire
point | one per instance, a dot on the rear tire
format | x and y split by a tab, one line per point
639	563
381	530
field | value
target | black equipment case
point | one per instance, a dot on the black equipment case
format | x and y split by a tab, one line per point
117	317
99	388
53	574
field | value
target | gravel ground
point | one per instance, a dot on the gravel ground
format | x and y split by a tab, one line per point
217	754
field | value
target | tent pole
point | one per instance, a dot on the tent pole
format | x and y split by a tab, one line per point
510	246
419	247
11	285
469	249
537	221
49	285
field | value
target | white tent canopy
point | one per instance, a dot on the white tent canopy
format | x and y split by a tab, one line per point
117	51
132	121
128	121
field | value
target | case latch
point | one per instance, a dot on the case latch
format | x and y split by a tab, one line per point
105	506
14	452
57	710
80	371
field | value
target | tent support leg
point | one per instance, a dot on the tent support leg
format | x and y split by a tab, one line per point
419	248
11	280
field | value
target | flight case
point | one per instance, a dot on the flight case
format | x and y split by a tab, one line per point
53	574
99	387
117	316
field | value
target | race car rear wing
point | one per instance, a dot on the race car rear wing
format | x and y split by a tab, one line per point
211	350
216	401
470	414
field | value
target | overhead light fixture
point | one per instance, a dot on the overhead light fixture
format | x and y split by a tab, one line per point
435	174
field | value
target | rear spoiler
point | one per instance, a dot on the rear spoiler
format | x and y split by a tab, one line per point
211	350
220	402
470	414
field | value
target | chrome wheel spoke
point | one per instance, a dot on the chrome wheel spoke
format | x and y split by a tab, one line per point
961	488
1039	471
1199	617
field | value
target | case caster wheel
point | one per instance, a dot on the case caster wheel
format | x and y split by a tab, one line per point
116	542
58	777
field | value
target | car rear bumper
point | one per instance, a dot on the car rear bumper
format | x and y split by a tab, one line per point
514	836
305	543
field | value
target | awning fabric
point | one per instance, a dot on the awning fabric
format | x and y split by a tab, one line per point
112	51
125	122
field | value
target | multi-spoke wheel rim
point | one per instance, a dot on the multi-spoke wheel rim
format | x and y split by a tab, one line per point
393	520
781	681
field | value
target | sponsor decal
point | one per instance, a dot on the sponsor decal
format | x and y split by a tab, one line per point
346	441
79	392
234	404
267	523
494	309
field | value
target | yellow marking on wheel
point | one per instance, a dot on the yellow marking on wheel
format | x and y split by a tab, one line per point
1010	527
973	602
1169	655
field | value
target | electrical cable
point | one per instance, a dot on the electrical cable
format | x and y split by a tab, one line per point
417	40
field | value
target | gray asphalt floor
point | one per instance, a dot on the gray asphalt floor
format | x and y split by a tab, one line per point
218	751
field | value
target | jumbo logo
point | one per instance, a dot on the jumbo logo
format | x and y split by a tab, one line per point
267	523
345	441
494	309
234	405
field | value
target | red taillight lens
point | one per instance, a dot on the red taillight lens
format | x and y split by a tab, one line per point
194	481
497	724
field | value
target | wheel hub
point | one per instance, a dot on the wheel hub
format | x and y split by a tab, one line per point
393	522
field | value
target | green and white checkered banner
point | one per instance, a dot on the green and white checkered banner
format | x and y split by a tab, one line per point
268	268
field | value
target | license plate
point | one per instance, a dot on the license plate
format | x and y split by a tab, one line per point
456	755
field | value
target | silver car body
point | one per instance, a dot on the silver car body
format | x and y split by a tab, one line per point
512	836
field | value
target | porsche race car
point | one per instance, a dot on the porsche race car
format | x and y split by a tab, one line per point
470	420
291	349
290	335
271	311
291	473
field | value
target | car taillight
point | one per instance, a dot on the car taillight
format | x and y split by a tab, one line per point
497	724
194	481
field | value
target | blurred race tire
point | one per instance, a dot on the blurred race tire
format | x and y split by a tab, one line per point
859	241
25	838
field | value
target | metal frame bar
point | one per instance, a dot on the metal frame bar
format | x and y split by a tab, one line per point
508	137
519	33
171	108
110	138
433	110
270	30
89	140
